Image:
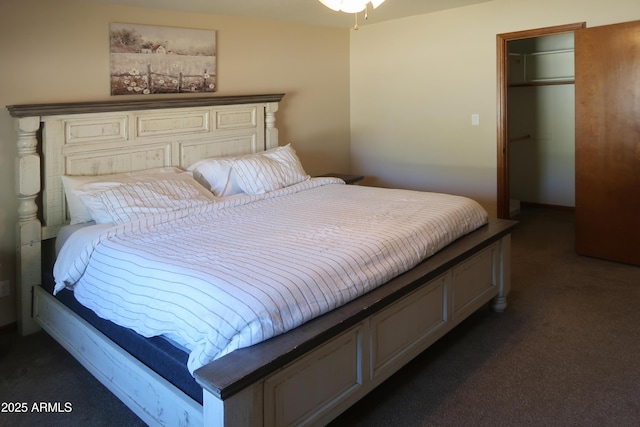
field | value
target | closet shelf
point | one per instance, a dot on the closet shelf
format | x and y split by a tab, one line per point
543	83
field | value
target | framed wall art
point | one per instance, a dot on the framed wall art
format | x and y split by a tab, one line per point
149	59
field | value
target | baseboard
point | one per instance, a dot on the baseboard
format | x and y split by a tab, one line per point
546	206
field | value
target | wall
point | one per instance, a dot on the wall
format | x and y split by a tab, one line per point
542	168
57	51
416	81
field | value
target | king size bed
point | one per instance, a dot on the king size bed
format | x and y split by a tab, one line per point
188	262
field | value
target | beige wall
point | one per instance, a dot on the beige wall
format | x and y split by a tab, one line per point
415	83
57	51
542	167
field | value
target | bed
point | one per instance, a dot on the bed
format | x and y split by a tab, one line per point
361	342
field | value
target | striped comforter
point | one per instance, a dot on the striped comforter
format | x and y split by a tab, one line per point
238	272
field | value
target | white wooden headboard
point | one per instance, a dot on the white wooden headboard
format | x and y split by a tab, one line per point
101	138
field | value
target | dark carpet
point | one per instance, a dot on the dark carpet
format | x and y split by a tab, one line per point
565	353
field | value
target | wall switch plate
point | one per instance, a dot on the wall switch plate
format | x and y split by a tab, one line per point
475	119
5	288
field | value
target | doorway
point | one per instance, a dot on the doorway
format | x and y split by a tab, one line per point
503	196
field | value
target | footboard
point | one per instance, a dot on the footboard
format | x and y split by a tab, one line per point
376	336
313	373
151	397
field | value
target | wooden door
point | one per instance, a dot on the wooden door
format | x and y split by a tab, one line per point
607	61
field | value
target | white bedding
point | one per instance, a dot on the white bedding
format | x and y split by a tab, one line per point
238	272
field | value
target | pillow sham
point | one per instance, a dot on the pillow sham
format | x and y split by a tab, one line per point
217	175
233	175
259	174
78	212
127	202
292	169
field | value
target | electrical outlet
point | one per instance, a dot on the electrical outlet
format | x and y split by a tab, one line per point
5	288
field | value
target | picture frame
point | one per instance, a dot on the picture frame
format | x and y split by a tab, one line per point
147	60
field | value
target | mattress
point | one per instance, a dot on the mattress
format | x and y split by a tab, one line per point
159	354
235	274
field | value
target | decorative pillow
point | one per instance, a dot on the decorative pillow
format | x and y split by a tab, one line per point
78	212
131	201
291	166
259	174
217	175
232	175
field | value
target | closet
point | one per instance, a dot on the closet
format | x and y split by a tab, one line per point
541	121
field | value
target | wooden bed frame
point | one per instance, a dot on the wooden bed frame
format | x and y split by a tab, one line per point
307	376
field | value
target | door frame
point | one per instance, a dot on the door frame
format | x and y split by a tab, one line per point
503	127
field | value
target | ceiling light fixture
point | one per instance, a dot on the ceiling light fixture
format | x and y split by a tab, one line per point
352	6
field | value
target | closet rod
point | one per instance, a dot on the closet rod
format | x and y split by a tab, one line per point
520	138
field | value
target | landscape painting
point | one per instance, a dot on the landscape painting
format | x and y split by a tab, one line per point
149	59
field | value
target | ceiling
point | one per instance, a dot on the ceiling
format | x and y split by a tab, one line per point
302	11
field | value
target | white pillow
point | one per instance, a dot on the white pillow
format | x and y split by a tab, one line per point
217	175
259	174
127	202
292	169
78	212
222	175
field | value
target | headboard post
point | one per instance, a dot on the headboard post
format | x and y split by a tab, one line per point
28	229
271	132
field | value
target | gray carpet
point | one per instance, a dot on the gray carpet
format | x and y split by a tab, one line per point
565	353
